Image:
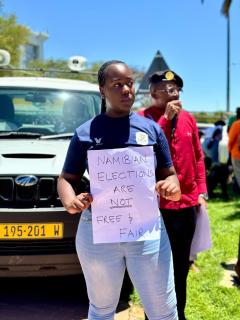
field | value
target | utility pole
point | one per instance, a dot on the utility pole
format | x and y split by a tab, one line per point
228	64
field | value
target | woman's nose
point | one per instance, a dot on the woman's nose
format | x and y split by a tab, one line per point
125	89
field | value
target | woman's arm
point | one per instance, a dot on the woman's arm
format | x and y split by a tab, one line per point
168	186
72	203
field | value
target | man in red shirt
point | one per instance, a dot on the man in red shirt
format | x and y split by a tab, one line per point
182	134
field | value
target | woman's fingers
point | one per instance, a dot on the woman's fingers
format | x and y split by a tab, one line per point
79	203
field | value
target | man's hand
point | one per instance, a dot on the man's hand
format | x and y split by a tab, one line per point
172	109
202	201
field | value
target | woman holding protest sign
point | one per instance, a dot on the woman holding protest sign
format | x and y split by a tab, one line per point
122	150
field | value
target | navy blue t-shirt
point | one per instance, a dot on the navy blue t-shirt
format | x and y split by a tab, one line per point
104	132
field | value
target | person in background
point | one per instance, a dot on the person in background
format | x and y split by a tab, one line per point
149	262
217	173
182	135
234	151
234	148
211	141
237	266
233	118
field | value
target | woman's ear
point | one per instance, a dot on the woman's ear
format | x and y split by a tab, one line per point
102	92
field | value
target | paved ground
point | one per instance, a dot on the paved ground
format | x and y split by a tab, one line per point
52	299
132	313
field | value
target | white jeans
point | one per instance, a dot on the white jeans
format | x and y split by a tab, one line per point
149	264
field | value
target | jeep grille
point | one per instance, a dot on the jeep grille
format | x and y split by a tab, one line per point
41	194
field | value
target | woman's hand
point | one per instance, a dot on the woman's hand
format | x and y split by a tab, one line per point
169	188
79	203
72	203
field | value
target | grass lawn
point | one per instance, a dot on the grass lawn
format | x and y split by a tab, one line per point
208	299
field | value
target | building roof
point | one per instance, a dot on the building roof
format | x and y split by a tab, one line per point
158	64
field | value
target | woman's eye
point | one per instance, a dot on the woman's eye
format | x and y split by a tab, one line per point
120	85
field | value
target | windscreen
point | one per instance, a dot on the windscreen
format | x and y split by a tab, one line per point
47	112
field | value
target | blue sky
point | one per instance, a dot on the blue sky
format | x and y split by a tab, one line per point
190	36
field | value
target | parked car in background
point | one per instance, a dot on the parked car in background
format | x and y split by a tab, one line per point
222	147
37	119
223	153
202	127
218	171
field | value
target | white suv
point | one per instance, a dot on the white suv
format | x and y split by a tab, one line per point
37	119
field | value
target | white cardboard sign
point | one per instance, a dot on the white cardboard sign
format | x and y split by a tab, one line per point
125	206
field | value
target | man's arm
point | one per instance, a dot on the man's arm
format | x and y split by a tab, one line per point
200	166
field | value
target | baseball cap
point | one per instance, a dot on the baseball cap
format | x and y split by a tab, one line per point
166	75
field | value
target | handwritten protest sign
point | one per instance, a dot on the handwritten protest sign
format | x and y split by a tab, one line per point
122	183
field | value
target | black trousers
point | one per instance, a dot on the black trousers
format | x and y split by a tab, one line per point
180	225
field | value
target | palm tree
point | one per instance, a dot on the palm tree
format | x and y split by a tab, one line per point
225	7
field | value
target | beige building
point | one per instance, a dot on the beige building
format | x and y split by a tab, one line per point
34	49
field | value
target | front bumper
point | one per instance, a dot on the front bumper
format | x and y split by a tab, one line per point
44	257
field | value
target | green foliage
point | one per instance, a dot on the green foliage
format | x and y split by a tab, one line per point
210	117
12	36
59	69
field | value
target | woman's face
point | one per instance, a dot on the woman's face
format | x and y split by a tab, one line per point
118	90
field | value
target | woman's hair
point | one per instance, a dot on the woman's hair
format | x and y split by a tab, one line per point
102	78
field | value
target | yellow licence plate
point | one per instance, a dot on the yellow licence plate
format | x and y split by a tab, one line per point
31	231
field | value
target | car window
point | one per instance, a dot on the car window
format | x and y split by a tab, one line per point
47	112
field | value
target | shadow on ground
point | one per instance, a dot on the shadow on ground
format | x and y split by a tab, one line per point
230	278
52	298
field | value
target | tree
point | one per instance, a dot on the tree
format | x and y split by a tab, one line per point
59	69
225	7
12	36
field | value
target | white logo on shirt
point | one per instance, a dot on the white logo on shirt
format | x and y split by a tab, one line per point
98	140
142	138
